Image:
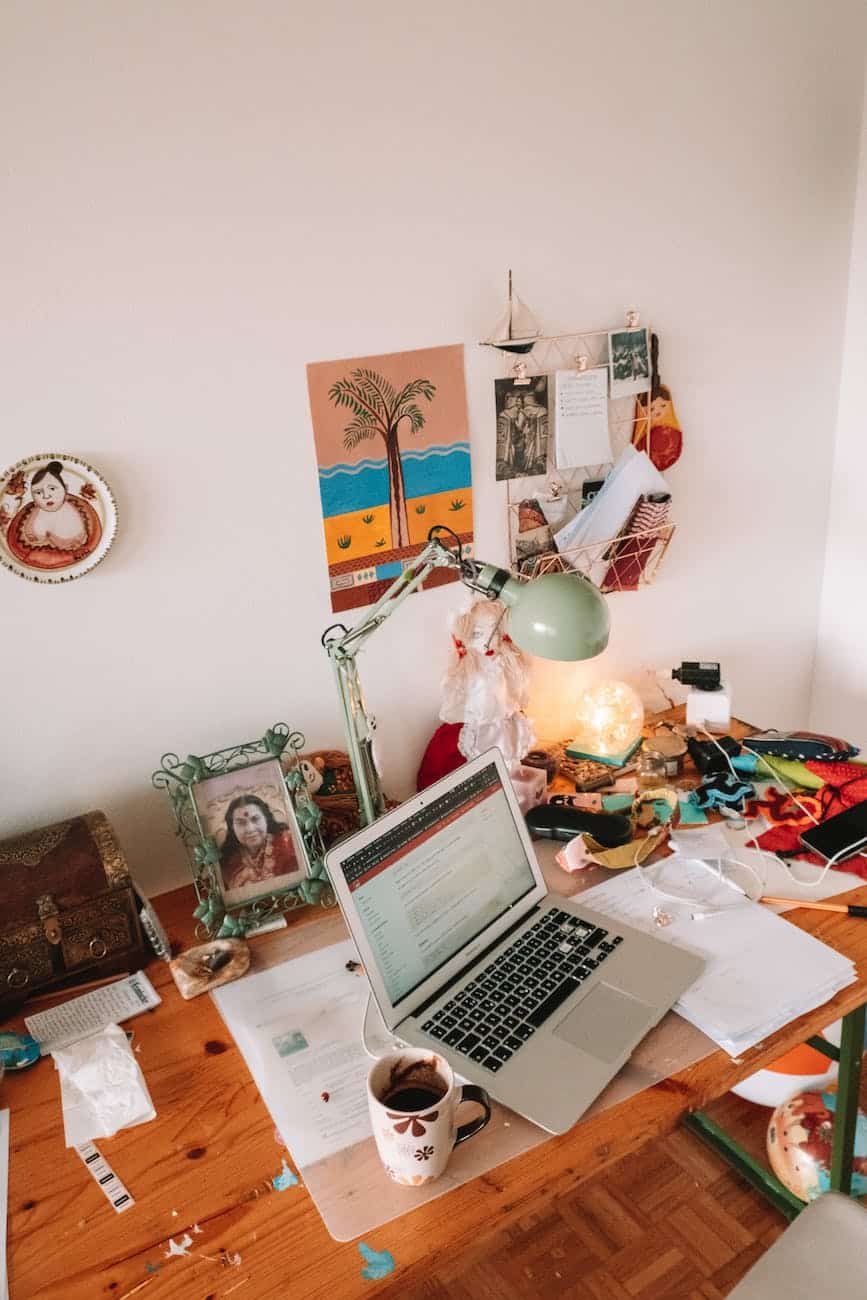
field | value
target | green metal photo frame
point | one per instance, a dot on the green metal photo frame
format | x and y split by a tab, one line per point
240	890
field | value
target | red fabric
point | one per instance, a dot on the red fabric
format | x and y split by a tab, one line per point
441	756
664	445
789	821
848	780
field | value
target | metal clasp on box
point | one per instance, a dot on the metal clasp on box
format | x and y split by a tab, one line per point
49	915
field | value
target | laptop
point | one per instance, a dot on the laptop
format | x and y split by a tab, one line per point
535	997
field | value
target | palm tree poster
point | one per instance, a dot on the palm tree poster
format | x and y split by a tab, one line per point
392	444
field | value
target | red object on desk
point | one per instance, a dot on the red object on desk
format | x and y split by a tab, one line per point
441	756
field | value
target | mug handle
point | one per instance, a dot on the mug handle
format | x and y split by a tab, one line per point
470	1092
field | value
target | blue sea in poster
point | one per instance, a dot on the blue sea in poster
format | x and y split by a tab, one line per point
344	488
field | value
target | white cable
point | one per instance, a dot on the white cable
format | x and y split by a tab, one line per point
738	776
777	776
823	871
373	1055
396	1045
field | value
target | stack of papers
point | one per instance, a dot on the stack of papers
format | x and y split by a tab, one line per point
760	970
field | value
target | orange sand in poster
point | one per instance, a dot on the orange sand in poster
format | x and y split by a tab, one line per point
364	532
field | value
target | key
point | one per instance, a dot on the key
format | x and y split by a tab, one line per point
493	1064
502	1053
453	1037
471	1041
513	1042
552	1002
524	1031
479	1054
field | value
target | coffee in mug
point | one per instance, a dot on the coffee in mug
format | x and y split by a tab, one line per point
413	1102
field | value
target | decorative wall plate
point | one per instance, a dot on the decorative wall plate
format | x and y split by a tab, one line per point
58	517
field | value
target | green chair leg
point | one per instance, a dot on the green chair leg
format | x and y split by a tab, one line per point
734	1154
846	1113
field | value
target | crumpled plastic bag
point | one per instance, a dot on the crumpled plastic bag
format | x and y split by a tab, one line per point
102	1088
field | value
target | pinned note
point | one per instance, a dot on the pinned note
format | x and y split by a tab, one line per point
581	418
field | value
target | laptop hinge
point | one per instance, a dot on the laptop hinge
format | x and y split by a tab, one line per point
456	979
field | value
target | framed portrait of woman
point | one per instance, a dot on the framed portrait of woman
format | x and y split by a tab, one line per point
252	830
249	814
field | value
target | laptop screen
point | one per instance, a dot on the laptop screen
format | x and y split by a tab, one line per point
429	885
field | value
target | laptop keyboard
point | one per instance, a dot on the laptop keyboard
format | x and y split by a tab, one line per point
498	1012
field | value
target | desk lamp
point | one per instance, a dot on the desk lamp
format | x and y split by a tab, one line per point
555	616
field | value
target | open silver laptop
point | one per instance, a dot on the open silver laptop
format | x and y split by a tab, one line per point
538	999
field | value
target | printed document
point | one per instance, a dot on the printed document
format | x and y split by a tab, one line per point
298	1027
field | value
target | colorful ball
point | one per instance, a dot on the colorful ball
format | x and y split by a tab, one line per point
799	1145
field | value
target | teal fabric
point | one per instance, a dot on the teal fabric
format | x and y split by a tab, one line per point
623	802
616	802
690	815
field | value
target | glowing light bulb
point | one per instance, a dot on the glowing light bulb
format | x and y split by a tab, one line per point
609	718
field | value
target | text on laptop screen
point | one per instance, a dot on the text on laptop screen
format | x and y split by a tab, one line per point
428	886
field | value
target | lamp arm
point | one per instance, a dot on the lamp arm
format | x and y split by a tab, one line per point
342	650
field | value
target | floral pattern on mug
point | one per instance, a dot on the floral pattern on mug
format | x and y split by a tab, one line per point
424	1153
416	1121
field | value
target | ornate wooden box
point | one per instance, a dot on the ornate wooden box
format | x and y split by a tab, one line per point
68	910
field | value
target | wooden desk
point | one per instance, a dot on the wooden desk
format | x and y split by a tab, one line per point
210	1157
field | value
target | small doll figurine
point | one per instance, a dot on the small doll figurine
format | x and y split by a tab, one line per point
484	693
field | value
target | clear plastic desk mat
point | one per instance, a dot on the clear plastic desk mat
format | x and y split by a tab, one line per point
350	1188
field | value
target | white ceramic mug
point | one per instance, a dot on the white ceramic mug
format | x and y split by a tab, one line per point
413	1101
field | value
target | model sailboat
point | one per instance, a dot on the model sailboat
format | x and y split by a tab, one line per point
518	329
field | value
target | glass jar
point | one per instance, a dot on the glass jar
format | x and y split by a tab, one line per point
651	768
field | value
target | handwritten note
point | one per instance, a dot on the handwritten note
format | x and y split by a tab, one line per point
581	418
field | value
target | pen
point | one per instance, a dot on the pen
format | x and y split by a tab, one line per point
851	909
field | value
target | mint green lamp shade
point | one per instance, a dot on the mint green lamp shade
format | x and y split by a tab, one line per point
557	616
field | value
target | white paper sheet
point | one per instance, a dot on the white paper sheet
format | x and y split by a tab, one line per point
760	971
4	1199
633	476
66	1023
298	1027
581	418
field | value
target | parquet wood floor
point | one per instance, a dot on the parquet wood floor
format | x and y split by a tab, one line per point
671	1222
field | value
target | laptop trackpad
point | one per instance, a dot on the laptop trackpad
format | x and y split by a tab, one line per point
606	1023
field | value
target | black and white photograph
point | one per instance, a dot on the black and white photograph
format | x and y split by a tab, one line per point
629	354
522	427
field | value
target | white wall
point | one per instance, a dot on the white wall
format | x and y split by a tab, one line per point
839	700
200	198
